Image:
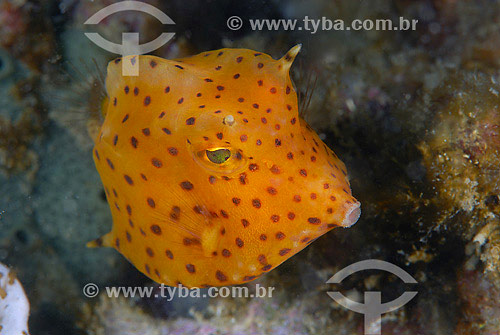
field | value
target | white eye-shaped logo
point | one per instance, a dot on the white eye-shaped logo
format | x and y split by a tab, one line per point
130	41
373	308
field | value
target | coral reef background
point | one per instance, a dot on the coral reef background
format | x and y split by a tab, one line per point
413	114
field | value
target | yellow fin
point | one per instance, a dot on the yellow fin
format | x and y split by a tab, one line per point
210	240
103	241
289	57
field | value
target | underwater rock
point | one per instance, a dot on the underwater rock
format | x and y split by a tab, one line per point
14	305
461	151
164	304
13	22
461	154
27	32
21	117
480	308
15	154
239	316
117	316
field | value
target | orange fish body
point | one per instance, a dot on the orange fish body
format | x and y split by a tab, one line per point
211	176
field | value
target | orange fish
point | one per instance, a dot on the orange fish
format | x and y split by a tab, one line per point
211	175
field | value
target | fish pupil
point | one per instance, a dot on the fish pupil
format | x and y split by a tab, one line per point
218	156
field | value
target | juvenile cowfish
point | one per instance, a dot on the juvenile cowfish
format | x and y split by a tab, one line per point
211	175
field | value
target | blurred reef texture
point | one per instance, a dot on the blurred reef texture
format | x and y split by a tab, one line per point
415	115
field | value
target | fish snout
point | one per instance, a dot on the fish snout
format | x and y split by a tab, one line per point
352	214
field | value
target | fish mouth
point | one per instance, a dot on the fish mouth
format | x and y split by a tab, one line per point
352	215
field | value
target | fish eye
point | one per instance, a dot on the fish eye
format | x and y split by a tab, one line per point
219	160
218	156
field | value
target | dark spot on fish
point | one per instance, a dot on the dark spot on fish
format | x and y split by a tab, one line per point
314	221
272	190
151	202
256	203
283	252
220	276
253	167
156	229
128	179
169	254
156	162
275	169
186	185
